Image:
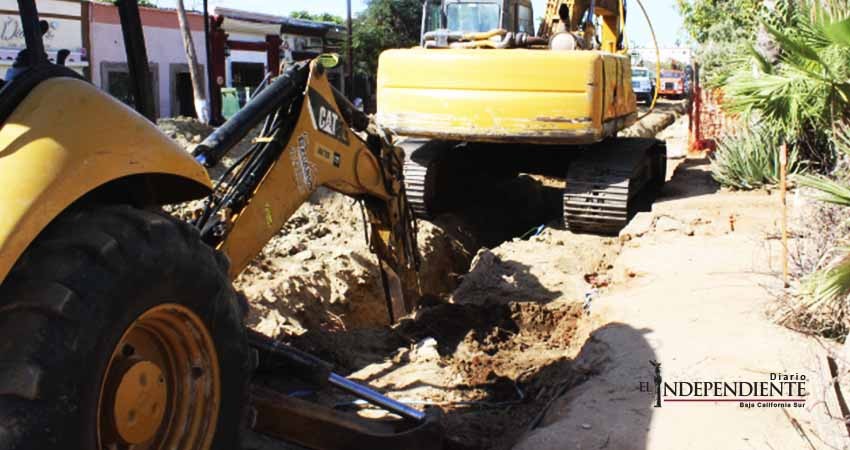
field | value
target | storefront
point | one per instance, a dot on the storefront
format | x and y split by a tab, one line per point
66	19
247	45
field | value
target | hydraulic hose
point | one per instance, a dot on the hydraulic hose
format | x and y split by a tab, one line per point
224	138
657	60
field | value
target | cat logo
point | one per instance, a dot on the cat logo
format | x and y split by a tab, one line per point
328	121
325	118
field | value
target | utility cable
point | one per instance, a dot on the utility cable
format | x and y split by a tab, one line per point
657	61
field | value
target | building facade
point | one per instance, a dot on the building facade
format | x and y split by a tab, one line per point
172	84
247	45
67	30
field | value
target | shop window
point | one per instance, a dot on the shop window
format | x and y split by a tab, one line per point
246	75
115	79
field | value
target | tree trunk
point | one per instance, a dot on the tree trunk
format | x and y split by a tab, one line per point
195	72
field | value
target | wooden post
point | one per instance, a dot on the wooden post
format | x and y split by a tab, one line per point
783	188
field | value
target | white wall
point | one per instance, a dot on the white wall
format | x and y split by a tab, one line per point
164	46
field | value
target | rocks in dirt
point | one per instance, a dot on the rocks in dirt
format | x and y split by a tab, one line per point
646	222
426	350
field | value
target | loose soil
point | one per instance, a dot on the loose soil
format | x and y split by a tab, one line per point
501	333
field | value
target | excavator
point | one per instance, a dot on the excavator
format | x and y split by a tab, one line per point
489	98
119	325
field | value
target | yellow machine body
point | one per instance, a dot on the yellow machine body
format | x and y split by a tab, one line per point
67	139
516	95
311	158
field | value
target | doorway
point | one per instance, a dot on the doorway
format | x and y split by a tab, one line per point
185	96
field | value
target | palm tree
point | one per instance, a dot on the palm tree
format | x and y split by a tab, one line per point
195	72
832	284
810	87
805	92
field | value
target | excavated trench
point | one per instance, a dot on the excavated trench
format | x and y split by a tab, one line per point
491	343
498	335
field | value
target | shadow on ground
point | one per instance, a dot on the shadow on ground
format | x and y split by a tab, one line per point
692	179
610	410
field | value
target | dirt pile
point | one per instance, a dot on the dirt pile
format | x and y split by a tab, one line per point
319	273
186	131
189	132
555	265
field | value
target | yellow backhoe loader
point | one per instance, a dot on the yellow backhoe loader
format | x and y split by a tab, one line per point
484	97
119	326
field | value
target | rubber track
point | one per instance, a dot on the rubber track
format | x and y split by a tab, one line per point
604	185
415	185
594	201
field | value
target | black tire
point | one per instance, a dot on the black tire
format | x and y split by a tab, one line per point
68	300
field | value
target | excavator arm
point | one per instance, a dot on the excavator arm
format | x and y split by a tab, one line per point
311	136
571	16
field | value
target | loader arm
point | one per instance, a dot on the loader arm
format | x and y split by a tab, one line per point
311	137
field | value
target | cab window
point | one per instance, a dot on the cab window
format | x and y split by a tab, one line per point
433	17
473	17
525	22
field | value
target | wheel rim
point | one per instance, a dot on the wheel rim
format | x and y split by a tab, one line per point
161	388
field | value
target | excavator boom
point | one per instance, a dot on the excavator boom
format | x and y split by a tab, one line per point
311	137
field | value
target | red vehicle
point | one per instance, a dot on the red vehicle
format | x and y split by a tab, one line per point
672	84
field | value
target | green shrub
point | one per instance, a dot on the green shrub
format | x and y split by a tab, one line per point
750	159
